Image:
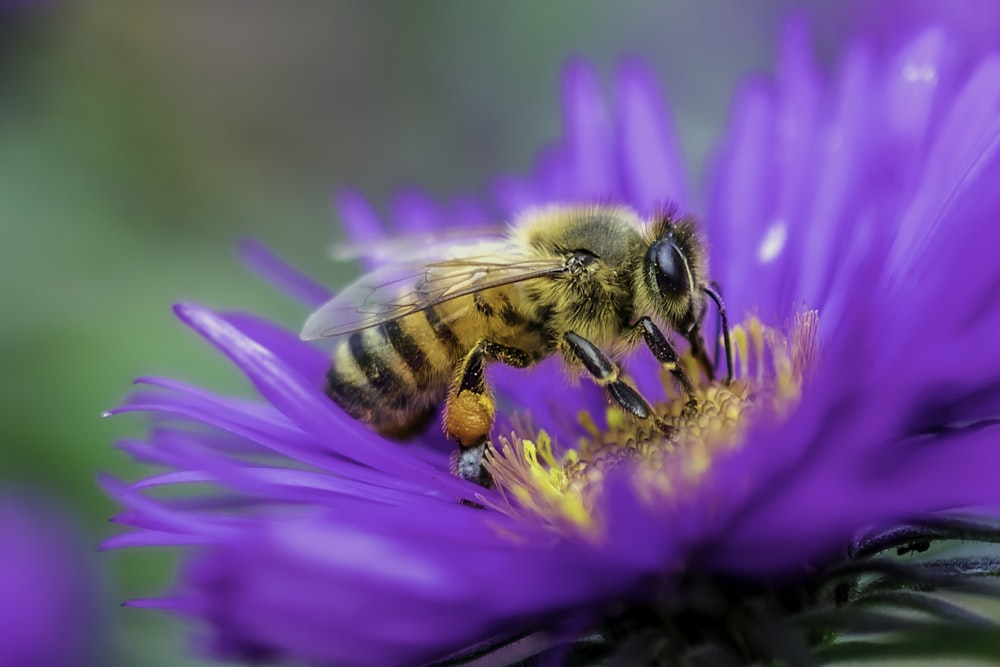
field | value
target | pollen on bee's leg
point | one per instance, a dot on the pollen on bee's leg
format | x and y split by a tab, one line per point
469	418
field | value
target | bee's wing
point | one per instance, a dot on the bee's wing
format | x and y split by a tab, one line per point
398	290
424	246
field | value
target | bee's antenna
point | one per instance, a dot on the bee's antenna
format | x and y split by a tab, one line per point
717	298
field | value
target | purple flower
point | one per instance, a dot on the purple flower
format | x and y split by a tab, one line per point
49	597
849	220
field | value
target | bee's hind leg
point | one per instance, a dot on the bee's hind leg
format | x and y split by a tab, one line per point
607	374
467	463
470	409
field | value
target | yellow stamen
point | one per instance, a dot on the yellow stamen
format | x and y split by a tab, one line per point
562	488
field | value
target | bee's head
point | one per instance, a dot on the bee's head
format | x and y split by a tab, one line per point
675	283
673	272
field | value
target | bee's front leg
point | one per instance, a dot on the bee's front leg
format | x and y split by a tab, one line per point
664	352
713	292
607	374
470	409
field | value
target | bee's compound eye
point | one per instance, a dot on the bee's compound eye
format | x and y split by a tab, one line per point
668	266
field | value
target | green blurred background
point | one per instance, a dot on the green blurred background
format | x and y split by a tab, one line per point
140	140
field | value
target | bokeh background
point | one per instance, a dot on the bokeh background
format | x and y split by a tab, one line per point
140	140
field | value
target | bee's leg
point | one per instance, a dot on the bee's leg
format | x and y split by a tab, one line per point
717	288
469	411
607	374
467	463
712	292
700	353
664	352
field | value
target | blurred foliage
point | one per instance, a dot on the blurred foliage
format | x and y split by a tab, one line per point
141	139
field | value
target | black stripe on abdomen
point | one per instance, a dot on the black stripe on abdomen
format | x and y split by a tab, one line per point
408	350
355	400
443	332
381	377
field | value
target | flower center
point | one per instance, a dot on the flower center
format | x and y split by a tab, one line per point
560	485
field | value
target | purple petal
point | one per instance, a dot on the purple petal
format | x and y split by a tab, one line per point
50	603
414	212
307	589
823	505
587	135
544	395
912	83
151	515
514	195
359	220
797	127
840	172
742	200
286	278
965	147
468	212
650	158
306	406
253	422
308	360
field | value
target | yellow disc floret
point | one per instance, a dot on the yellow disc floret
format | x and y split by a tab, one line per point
562	489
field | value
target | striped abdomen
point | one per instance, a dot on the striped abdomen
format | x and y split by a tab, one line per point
395	375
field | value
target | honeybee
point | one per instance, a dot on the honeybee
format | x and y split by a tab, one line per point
587	283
